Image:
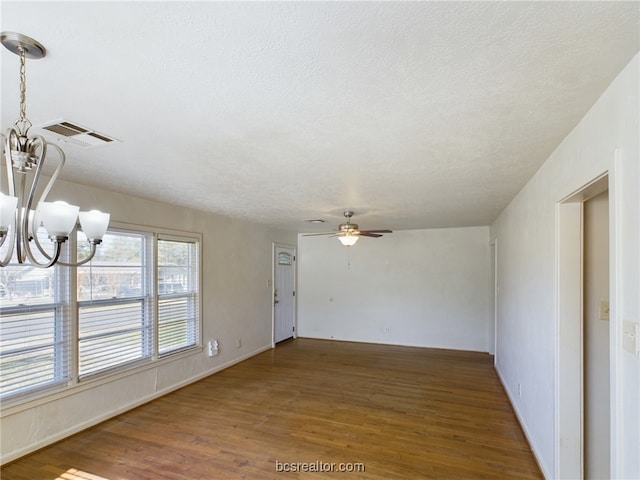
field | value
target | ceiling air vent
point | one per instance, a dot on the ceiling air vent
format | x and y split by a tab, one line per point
69	132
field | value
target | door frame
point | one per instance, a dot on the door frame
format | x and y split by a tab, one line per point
569	365
493	339
272	285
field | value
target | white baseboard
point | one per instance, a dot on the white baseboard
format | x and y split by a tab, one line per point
394	344
523	425
14	455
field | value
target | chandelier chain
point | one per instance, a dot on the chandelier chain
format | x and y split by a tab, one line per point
23	87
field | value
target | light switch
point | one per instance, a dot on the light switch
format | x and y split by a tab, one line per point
604	310
630	340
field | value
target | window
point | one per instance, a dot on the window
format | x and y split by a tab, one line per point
177	276
136	302
34	326
114	304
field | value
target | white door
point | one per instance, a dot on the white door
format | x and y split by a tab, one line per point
284	300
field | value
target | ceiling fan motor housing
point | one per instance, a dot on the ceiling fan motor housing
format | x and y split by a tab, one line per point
347	227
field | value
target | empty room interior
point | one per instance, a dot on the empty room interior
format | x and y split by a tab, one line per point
320	240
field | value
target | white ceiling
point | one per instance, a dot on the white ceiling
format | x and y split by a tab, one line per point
415	115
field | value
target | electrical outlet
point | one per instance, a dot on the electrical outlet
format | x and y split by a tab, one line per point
213	348
603	313
519	390
238	343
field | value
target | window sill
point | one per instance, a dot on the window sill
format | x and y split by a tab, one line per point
17	405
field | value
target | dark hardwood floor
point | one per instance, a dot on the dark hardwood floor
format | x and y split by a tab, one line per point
397	412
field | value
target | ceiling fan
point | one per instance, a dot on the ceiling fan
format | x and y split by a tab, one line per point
348	233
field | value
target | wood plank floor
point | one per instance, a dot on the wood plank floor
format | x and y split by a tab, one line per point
401	412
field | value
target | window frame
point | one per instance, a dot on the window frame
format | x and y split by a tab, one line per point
172	237
146	300
18	402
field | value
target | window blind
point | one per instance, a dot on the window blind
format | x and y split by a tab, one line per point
34	349
177	290
114	304
34	326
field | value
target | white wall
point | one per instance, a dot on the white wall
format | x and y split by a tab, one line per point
526	231
236	296
427	288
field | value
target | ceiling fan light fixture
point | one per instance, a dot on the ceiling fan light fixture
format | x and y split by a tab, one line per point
348	233
348	240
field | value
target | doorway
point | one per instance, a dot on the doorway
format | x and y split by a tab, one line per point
595	329
284	293
493	323
583	384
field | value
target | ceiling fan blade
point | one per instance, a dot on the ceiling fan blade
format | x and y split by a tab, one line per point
315	234
376	231
369	234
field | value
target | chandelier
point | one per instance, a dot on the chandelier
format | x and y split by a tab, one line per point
21	215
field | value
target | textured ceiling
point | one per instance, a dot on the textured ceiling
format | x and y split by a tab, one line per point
413	114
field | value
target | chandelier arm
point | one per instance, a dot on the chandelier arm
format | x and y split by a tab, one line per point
66	264
52	261
58	169
20	240
23	230
9	165
21	236
83	261
11	232
45	191
7	258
